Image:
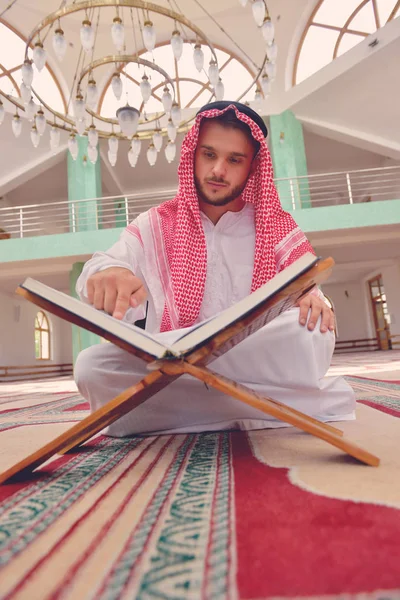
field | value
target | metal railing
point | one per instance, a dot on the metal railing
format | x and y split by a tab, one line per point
349	187
311	191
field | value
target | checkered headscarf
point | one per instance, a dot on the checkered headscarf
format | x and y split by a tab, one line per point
180	244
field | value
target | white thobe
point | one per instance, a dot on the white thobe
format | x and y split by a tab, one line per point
283	360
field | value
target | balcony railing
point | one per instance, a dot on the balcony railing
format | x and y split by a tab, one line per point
311	191
331	189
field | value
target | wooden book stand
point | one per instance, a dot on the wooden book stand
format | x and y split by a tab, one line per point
163	372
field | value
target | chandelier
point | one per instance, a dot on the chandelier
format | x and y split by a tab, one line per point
116	51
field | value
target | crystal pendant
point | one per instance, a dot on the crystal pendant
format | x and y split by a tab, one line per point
87	35
243	2
40	121
59	44
198	57
73	146
31	109
265	85
145	88
2	112
27	72
152	155
93	154
16	125
149	35
268	30
132	157
128	119
176	114
272	52
80	125
213	73
258	98
116	84
258	7
166	100
136	145
39	56
170	151
177	44
79	106
35	136
270	69
171	130
92	93
118	33
93	136
112	158
26	93
113	144
219	90
157	140
54	138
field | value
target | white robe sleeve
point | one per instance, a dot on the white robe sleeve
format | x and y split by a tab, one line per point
127	253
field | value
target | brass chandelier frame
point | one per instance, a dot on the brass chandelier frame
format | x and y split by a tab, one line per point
68	123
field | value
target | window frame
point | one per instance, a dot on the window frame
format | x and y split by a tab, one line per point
45	320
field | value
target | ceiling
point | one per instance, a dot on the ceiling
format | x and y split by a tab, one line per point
353	100
349	111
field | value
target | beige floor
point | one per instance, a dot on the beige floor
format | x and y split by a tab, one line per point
376	365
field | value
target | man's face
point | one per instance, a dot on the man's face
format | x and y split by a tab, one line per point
222	163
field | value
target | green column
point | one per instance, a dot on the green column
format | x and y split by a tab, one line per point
286	143
84	182
81	338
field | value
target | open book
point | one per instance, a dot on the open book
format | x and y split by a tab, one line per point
189	339
188	352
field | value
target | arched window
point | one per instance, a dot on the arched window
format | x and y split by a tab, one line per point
192	88
335	27
12	53
42	336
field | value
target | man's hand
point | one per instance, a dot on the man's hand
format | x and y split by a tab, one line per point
114	290
314	307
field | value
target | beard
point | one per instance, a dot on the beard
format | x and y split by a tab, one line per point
209	199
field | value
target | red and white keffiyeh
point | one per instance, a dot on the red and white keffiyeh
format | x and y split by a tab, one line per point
178	241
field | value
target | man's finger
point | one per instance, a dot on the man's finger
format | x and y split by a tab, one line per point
332	321
325	318
304	304
314	315
98	296
110	296
90	290
121	304
138	297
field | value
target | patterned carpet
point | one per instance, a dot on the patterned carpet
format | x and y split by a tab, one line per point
272	514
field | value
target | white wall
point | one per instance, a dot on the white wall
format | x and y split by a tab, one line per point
325	155
17	326
49	186
351	314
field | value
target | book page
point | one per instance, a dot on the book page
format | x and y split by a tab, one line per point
198	335
135	336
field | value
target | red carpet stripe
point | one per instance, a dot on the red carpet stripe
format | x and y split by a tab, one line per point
294	543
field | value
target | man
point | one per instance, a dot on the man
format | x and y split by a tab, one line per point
223	236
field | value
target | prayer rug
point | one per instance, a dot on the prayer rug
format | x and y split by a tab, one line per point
269	514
